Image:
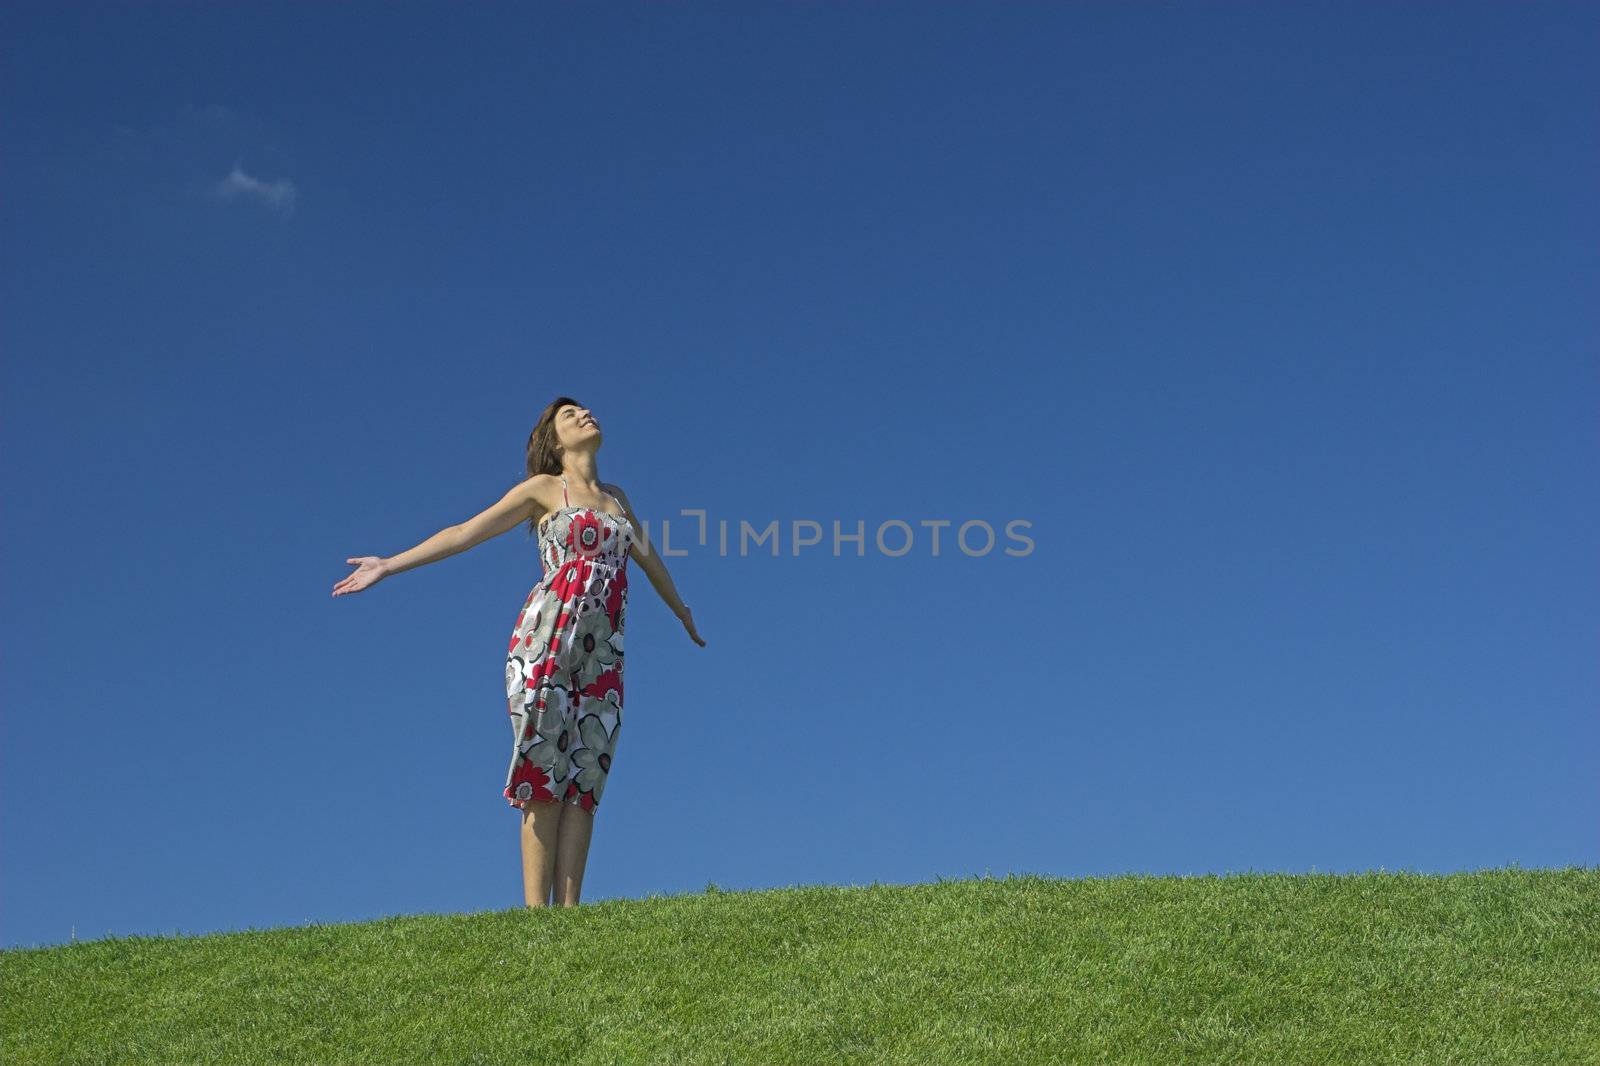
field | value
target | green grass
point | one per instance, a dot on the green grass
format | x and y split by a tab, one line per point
1497	966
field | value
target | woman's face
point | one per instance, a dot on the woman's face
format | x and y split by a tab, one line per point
576	427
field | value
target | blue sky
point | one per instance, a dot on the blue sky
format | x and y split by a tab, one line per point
1274	322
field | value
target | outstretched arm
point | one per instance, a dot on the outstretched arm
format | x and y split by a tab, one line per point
516	506
654	568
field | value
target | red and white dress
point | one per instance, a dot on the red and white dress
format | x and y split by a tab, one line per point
565	660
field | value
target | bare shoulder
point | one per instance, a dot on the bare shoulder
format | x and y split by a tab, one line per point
541	482
643	553
622	497
544	492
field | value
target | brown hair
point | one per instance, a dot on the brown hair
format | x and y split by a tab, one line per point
544	454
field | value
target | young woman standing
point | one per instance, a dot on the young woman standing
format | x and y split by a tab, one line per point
564	664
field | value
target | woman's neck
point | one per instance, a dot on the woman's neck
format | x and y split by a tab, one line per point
582	470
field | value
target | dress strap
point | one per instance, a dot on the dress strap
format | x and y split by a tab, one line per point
565	502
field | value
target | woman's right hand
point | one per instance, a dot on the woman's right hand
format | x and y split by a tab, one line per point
369	571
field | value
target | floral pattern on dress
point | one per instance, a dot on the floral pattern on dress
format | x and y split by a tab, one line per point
565	660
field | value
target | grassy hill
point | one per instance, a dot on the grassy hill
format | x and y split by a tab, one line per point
1499	966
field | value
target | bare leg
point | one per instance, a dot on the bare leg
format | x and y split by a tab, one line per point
541	822
572	853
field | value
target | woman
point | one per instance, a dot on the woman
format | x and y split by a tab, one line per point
564	665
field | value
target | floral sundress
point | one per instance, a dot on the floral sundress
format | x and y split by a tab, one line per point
565	660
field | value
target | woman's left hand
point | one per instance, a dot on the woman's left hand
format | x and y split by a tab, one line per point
687	618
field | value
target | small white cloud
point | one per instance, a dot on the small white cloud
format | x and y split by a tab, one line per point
278	195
